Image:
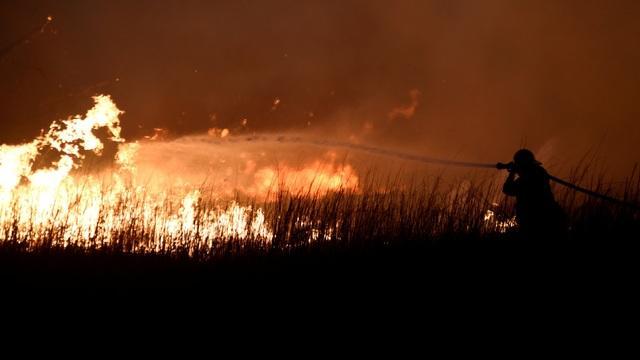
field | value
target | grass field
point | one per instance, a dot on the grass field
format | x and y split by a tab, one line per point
384	227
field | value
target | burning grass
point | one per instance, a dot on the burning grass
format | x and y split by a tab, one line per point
322	205
203	228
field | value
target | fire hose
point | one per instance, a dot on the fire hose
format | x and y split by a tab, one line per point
594	194
509	166
446	162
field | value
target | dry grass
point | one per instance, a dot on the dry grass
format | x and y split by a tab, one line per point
383	213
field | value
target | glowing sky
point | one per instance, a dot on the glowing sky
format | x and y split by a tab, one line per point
485	77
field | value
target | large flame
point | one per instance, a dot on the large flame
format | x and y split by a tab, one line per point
53	205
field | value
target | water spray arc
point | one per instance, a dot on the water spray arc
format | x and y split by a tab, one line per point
430	160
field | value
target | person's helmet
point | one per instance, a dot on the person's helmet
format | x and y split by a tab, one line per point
525	157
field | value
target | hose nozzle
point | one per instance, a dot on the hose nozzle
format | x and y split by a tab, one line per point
503	166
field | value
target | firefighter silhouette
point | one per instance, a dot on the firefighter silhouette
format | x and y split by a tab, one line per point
538	214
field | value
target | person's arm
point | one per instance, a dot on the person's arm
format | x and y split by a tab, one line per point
510	186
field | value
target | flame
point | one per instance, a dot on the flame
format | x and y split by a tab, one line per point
501	226
126	156
276	102
315	179
15	162
77	132
55	206
221	133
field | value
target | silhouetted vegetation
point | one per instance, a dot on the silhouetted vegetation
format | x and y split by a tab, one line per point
385	222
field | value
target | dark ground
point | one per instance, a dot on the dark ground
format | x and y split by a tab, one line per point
456	266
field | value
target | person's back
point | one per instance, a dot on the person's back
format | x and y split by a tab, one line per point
537	212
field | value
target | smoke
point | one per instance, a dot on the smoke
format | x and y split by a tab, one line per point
445	78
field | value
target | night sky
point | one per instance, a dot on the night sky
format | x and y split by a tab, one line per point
561	77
